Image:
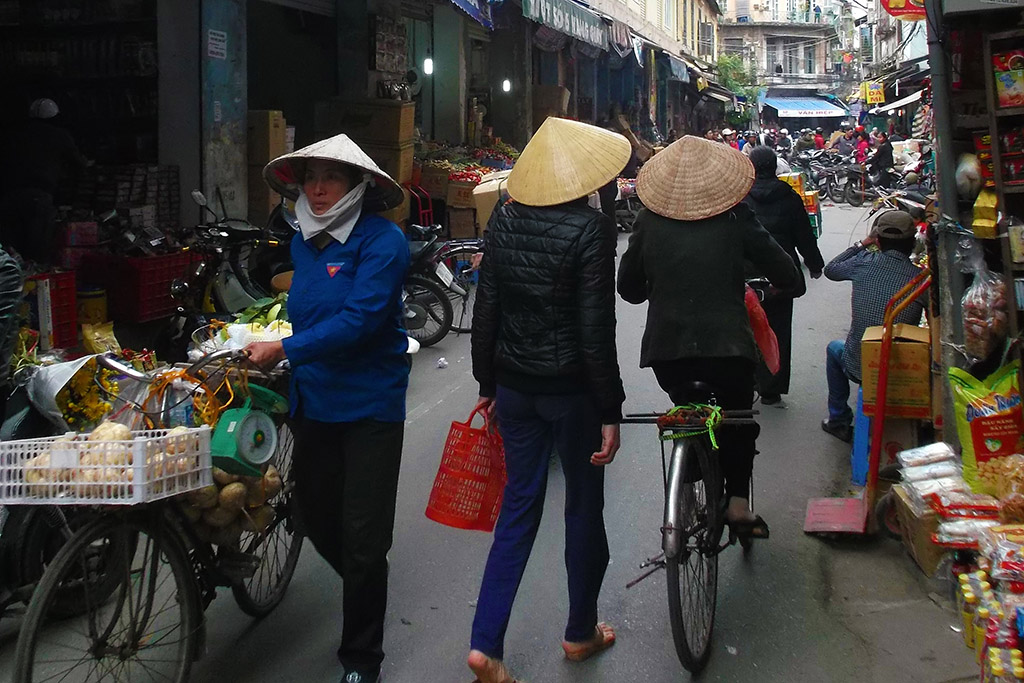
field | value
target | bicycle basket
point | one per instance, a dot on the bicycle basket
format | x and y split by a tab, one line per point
70	470
470	481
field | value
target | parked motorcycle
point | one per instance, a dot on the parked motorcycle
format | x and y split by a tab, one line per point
428	308
220	282
627	207
862	185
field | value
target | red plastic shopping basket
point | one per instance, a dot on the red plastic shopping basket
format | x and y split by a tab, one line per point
470	482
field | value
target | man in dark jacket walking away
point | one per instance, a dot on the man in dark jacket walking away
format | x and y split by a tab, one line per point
544	355
686	258
782	213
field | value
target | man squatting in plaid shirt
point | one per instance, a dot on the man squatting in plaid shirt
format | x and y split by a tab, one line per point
877	276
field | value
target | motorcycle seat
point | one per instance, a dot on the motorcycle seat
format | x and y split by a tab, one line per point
416	248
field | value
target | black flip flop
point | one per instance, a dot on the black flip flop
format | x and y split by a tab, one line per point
758	529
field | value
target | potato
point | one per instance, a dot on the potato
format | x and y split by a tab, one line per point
273	483
227	535
177	440
257	521
220	517
111	431
192	513
204	498
232	496
223	478
256	491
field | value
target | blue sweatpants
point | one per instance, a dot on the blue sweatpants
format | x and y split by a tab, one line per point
531	425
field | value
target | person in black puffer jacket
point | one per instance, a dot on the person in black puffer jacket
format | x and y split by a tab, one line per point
782	213
544	355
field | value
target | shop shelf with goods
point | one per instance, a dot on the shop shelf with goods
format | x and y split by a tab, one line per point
139	287
98	61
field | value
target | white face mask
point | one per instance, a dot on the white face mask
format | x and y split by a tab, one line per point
338	221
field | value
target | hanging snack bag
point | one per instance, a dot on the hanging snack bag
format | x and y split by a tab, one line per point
983	304
989	422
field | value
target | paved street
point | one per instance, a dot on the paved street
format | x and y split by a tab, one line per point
799	609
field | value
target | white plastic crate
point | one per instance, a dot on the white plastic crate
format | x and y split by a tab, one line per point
70	470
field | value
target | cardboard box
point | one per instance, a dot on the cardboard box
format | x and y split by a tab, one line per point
434	181
389	122
262	199
462	223
795	180
267	136
916	530
909	391
460	194
395	160
551	98
487	194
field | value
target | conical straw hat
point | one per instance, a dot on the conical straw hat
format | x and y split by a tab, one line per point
566	160
282	175
694	178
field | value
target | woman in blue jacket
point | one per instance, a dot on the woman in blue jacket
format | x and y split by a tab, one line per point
349	375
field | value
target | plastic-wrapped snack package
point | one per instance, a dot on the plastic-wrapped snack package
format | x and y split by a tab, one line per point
936	470
918	492
926	455
963	504
1011	476
989	421
1007	561
983	304
1011	508
963	533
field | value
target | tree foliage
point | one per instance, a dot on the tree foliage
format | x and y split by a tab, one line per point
733	74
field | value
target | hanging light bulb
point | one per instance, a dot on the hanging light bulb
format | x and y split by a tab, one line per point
506	85
428	66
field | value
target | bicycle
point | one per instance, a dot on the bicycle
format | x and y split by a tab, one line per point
145	575
694	518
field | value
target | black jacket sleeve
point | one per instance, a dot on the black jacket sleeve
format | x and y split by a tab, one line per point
484	337
803	236
596	296
632	278
761	249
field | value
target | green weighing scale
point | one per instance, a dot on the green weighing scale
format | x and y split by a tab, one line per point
246	437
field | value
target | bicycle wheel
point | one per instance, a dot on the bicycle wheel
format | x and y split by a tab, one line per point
278	547
146	629
460	262
428	310
693	573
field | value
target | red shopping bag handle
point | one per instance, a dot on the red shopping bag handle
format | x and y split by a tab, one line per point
487	420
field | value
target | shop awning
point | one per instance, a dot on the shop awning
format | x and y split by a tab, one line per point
899	103
804	107
478	9
716	95
679	71
569	18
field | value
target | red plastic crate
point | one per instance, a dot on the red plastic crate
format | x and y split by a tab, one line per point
138	287
63	307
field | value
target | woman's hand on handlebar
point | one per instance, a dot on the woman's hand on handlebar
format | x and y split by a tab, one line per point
265	354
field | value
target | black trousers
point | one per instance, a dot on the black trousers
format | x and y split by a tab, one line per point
733	381
779	311
346	482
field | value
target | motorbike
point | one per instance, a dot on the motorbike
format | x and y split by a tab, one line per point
230	252
627	207
861	185
428	307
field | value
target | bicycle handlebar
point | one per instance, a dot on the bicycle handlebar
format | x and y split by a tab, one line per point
117	366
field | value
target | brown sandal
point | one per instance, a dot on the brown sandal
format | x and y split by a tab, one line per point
577	652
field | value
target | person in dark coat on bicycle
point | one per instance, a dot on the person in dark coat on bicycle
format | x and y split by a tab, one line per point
781	211
687	259
544	355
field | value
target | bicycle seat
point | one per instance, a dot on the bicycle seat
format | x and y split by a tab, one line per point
692	392
416	248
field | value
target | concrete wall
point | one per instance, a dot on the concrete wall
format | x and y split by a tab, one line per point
224	106
284	44
179	96
449	73
353	49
